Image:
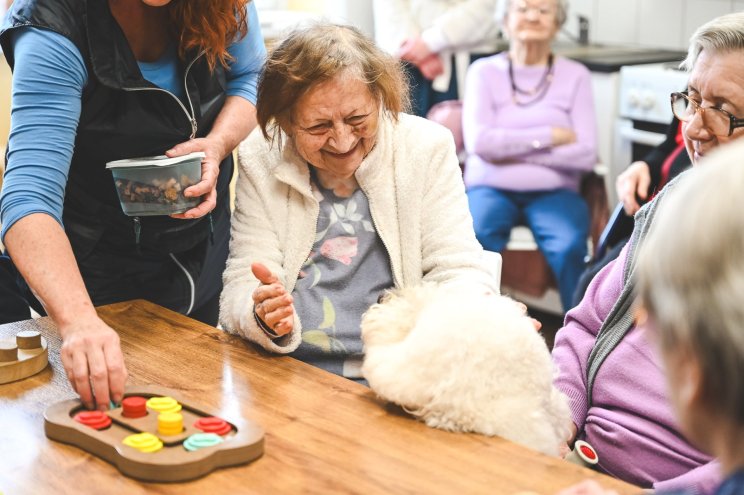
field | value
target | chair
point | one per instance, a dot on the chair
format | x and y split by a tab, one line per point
618	228
526	274
493	260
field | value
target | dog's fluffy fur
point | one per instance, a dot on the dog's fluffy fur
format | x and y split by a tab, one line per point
463	360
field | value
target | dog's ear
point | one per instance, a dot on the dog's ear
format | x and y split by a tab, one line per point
386	321
390	320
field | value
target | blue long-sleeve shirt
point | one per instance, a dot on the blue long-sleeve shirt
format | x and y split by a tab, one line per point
48	80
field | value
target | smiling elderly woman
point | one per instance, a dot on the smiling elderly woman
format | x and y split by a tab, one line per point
608	369
341	198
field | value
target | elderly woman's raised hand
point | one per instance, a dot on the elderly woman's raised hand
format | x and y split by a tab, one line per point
633	184
272	302
207	187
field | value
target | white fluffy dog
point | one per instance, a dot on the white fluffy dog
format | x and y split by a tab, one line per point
462	360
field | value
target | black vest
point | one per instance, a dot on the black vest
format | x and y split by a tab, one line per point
123	116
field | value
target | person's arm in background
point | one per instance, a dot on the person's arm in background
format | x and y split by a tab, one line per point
581	154
575	340
393	23
48	79
236	119
644	176
494	144
464	24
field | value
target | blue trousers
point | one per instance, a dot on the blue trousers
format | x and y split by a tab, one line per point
559	221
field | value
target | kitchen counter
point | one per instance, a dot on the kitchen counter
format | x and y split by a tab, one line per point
609	58
601	58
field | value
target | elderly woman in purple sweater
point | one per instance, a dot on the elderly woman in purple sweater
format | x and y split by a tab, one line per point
609	370
530	133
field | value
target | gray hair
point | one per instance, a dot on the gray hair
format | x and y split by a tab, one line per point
502	8
691	276
722	34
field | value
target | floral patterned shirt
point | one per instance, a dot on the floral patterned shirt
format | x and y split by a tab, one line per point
346	271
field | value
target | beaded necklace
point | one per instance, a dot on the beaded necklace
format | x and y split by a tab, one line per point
535	94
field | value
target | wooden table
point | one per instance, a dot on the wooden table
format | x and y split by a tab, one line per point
324	434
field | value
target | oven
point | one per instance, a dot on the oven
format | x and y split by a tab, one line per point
644	112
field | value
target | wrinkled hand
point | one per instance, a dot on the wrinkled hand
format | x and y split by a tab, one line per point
562	135
431	66
272	302
92	358
207	187
414	50
565	448
631	183
587	487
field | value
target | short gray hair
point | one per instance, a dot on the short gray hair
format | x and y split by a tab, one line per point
502	8
722	34
691	275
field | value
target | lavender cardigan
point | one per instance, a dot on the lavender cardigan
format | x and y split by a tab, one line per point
630	421
509	146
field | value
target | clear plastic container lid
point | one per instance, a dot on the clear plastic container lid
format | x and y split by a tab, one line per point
154	161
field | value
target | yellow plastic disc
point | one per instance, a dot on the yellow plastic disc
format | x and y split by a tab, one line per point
144	442
163	404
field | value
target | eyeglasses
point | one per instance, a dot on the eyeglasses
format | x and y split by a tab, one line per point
718	121
523	8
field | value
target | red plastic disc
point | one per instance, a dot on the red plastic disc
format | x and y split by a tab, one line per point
212	424
134	407
97	420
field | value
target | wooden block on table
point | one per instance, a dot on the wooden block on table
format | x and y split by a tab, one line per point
23	356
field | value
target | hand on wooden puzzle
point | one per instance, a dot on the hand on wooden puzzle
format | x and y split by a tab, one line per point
91	355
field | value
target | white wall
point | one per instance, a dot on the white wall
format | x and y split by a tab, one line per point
653	23
356	12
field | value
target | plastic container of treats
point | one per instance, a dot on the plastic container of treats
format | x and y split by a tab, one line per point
154	185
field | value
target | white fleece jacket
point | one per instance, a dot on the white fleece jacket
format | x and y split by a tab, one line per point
448	27
416	197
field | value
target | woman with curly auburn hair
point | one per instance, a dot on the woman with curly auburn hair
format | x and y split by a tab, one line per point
208	26
96	81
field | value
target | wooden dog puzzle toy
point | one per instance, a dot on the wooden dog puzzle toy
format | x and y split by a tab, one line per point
23	356
154	436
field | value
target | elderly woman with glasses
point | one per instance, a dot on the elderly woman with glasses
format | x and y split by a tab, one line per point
530	133
608	367
340	197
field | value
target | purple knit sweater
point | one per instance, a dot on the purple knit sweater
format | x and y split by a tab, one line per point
630	423
509	146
